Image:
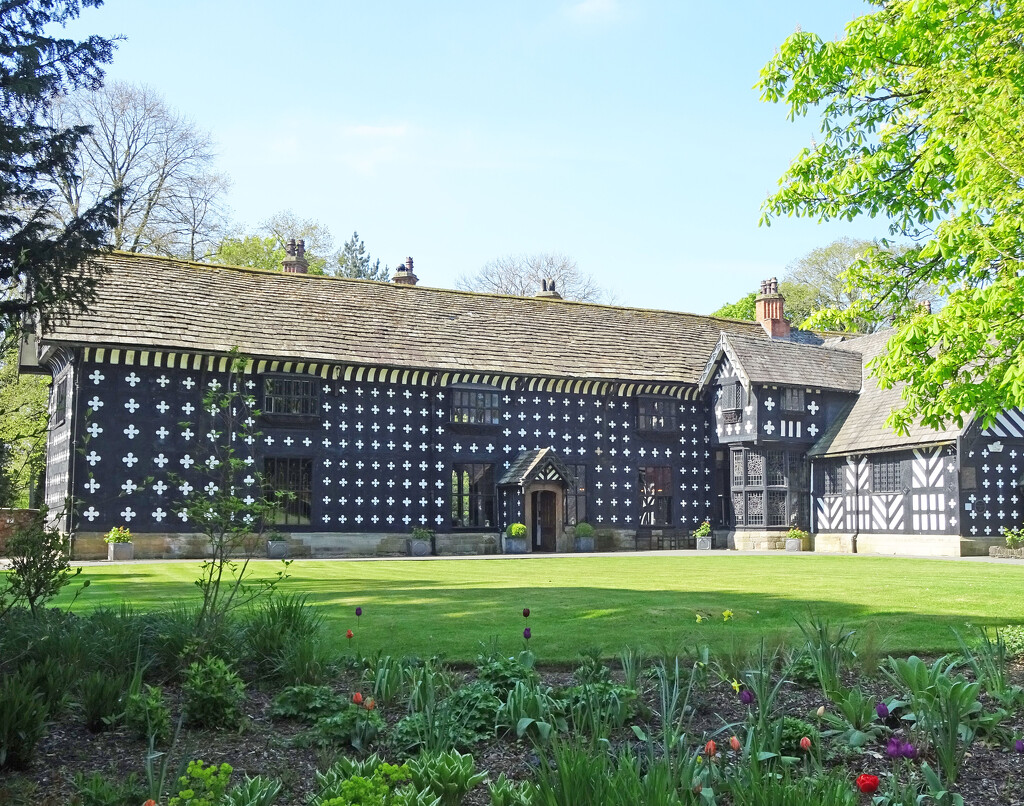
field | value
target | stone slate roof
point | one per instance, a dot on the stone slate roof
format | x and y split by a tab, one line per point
785	363
528	463
149	302
862	427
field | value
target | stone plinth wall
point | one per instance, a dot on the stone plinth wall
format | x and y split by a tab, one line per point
922	545
755	540
177	546
1006	554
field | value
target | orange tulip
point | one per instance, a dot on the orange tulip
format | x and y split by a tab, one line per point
711	748
805	744
734	743
370	704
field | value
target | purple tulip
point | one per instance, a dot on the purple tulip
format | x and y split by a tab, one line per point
882	710
908	751
895	748
359	612
526	612
746	696
1019	745
526	633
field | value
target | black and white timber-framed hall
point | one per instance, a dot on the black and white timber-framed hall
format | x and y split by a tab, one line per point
388	406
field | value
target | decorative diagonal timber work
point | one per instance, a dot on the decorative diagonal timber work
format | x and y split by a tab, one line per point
1009	423
887	512
927	468
830	514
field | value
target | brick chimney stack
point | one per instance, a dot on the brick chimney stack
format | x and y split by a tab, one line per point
548	289
295	257
769	310
403	274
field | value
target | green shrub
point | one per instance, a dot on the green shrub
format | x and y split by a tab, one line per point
272	628
258	791
505	672
793	730
516	530
1014	537
1013	638
591	669
146	714
596	709
111	634
213	694
53	680
22	721
99	790
583	529
39	566
304	659
448	775
307	703
369	782
385	676
355	726
202	785
534	710
506	792
99	696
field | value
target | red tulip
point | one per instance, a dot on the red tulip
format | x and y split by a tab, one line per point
805	744
734	743
711	748
357	698
868	784
350	635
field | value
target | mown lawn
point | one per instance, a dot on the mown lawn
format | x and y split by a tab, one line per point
449	606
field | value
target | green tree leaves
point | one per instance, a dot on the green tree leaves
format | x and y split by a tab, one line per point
922	106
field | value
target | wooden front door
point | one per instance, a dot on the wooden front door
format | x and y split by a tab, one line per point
544	521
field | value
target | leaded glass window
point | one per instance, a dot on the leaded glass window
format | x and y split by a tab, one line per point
886	476
292	476
473	496
656	496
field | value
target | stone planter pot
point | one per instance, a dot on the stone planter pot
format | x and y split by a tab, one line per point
120	552
705	543
515	545
277	549
798	544
584	544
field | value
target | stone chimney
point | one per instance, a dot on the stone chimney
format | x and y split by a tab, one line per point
926	306
548	290
295	259
769	310
403	274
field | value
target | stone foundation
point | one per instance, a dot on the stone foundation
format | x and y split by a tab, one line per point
178	546
755	540
890	543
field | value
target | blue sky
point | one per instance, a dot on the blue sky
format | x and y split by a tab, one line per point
625	134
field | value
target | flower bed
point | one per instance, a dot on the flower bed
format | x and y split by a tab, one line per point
825	718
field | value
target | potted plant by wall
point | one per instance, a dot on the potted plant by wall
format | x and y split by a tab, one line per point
705	540
798	540
422	543
584	537
277	546
119	544
515	538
